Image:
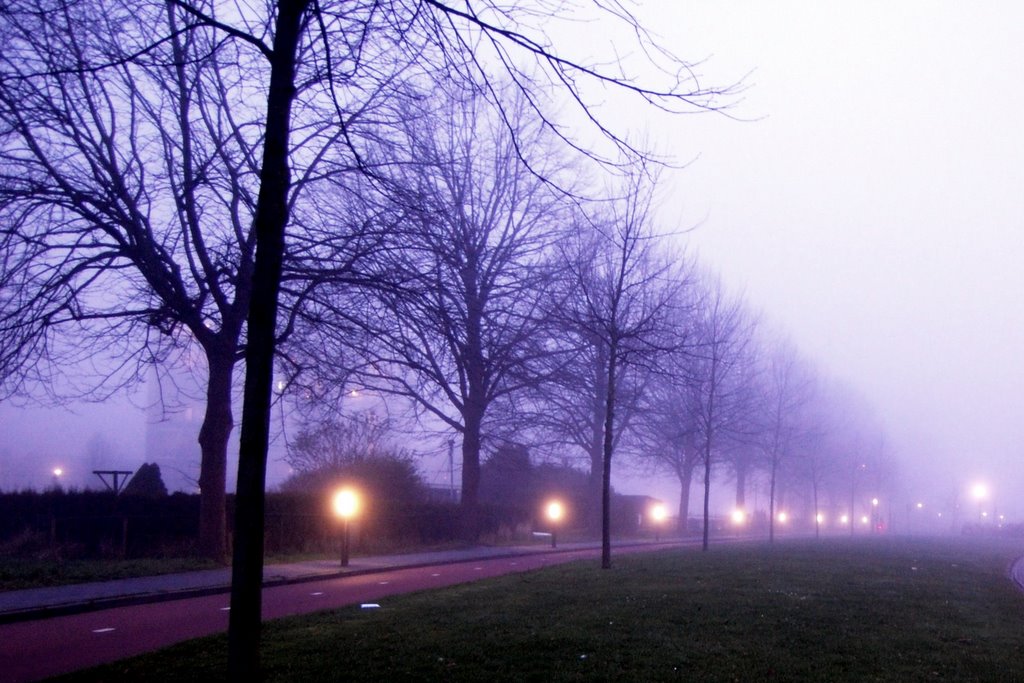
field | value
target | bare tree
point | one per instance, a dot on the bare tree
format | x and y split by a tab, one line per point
567	409
786	388
721	335
127	189
462	330
302	57
667	428
625	294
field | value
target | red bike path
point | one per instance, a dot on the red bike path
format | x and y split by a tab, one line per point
39	648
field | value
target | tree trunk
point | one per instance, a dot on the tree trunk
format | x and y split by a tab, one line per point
218	422
741	487
598	407
707	493
271	218
473	418
606	481
685	480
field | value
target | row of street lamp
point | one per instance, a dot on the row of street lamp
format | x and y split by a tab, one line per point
346	504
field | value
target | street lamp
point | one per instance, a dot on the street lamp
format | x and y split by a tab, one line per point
346	506
57	474
554	511
659	513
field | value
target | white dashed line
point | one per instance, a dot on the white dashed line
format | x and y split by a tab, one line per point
384	583
102	630
435	575
225	609
477	568
317	593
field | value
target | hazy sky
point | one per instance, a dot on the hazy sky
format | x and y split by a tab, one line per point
873	206
870	205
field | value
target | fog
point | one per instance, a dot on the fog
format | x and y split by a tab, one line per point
871	207
864	193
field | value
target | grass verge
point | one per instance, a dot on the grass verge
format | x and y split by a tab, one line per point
849	610
18	573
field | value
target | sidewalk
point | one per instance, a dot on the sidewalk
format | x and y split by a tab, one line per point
38	603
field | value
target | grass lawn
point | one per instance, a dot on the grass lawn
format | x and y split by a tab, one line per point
838	610
17	573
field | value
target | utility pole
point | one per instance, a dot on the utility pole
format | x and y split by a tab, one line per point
451	466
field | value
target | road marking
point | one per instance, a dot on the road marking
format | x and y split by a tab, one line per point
477	568
225	609
435	575
513	563
317	593
102	630
384	583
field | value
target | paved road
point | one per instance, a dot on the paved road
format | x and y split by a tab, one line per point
31	650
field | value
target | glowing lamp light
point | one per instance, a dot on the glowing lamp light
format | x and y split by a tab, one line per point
874	502
920	505
57	471
845	519
979	491
345	504
782	517
819	518
738	517
864	520
659	513
554	511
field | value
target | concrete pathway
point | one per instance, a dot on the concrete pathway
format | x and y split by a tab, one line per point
36	603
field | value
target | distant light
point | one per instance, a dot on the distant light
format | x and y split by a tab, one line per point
845	519
57	471
979	491
354	393
874	501
819	518
659	513
783	517
346	503
280	385
554	510
920	505
738	517
1002	517
984	514
864	519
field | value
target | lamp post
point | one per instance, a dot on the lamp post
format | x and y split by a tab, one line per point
980	493
346	505
554	511
659	513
